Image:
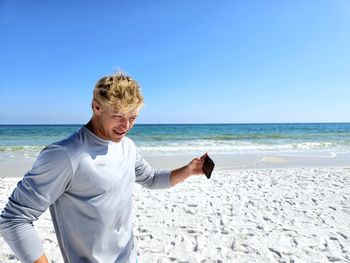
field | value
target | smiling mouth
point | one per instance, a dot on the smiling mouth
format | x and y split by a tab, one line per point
120	133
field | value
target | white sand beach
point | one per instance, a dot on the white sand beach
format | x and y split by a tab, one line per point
242	215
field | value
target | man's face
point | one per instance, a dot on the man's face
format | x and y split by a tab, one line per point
111	124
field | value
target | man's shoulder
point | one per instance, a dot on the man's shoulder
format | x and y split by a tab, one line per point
62	152
67	146
71	141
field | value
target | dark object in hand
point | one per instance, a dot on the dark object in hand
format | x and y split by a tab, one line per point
208	166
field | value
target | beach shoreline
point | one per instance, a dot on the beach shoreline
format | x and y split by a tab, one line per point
16	165
263	160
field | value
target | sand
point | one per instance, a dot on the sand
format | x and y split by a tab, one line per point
242	215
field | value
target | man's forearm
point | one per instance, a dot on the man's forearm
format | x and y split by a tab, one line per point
179	175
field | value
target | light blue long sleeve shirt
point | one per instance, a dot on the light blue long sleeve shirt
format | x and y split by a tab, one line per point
87	183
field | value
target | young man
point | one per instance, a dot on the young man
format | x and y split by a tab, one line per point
87	180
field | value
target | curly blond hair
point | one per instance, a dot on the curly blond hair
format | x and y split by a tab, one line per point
119	91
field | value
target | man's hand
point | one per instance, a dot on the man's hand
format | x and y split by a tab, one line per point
193	168
196	165
42	259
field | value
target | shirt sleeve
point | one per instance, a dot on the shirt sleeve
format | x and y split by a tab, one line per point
149	177
39	188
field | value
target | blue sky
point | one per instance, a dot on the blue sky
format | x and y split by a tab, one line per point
197	61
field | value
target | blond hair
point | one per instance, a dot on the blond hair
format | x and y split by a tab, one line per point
119	91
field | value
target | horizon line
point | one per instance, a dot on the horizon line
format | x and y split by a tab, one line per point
189	123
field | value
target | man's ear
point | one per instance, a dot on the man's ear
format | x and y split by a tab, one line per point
96	108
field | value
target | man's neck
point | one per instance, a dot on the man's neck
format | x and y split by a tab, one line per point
90	126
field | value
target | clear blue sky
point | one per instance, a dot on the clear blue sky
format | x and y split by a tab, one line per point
197	61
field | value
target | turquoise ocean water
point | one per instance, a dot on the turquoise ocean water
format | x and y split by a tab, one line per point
162	139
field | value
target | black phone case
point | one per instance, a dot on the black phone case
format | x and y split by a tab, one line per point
208	166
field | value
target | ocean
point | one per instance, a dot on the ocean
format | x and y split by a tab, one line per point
180	139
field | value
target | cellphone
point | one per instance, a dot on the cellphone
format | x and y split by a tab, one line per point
208	166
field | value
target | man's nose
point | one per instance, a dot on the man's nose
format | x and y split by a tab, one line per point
125	123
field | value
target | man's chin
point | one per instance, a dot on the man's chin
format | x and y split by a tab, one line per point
117	138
